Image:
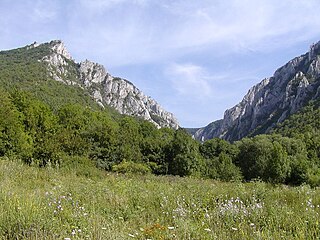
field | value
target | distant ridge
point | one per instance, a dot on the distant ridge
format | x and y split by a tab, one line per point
271	101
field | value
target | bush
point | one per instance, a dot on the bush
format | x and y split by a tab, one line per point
131	167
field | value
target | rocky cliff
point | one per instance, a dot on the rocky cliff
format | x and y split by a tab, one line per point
271	101
103	87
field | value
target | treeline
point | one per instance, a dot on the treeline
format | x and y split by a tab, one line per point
38	134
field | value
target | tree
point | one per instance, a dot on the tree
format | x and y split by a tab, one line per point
214	147
226	169
155	146
185	158
254	156
129	139
102	136
74	121
13	139
41	126
278	165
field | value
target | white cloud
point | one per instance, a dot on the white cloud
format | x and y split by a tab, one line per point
44	11
190	80
143	31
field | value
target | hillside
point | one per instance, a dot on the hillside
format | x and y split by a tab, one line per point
45	70
271	101
45	121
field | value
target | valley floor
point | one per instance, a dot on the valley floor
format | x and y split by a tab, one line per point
49	203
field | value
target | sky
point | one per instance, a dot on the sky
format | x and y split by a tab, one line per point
196	58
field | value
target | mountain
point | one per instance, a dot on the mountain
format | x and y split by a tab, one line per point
90	80
271	101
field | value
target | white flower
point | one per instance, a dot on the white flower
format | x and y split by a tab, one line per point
131	235
207	229
170	228
234	229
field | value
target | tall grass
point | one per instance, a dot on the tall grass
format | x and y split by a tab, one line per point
84	203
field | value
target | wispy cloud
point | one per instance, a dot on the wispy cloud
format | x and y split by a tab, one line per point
190	80
44	11
149	31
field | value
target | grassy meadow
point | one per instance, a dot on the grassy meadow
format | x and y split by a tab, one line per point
85	203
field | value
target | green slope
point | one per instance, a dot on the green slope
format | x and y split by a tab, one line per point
22	69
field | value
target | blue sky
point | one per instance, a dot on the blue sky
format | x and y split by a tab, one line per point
195	57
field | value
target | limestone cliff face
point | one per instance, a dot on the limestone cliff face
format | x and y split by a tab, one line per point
123	95
272	100
103	87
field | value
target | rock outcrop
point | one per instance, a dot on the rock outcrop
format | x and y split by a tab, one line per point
123	95
272	100
103	87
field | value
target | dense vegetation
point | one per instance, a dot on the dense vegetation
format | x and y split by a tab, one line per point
58	150
22	69
43	122
81	202
38	134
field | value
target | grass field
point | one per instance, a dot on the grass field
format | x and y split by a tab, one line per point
85	203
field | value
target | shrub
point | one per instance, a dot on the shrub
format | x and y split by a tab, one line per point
131	167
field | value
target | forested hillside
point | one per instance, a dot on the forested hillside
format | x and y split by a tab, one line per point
46	122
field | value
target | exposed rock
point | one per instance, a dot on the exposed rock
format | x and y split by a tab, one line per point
104	88
33	45
58	47
272	100
123	95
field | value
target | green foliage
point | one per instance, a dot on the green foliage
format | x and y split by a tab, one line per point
13	139
131	167
214	147
254	155
22	69
155	147
129	138
45	122
222	168
184	155
278	168
220	156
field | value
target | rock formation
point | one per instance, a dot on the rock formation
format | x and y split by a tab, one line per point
270	101
103	87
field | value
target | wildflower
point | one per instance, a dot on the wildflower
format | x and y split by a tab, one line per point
170	228
131	235
104	228
207	229
234	229
251	224
67	238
